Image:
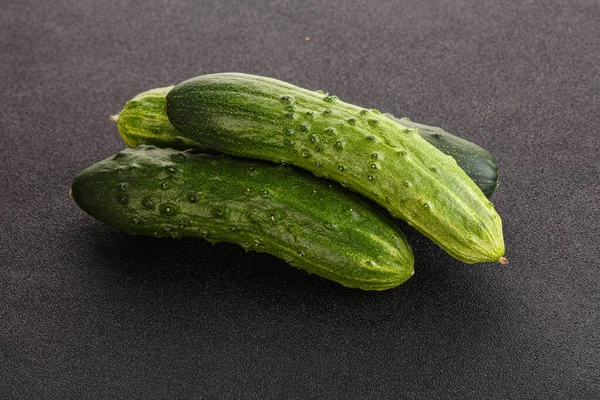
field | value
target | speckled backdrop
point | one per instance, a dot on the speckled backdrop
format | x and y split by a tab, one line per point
89	312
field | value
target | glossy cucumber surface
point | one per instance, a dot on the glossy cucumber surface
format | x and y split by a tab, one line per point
477	162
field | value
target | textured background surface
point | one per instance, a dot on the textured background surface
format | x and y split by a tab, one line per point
88	312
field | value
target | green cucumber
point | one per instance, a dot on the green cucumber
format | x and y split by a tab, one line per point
143	121
476	161
257	117
311	223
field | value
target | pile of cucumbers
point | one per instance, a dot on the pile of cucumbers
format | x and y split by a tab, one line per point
295	173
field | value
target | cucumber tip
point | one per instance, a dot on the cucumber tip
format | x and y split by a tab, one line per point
503	260
114	118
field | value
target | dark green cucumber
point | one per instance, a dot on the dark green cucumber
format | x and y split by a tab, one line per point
144	121
476	161
263	118
311	223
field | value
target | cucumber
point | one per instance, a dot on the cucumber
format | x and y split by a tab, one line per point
143	121
476	161
251	116
311	223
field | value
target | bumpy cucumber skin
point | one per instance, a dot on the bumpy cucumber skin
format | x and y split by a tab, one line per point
311	223
144	121
476	161
251	116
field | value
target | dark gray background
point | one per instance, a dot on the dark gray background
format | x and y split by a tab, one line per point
88	312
